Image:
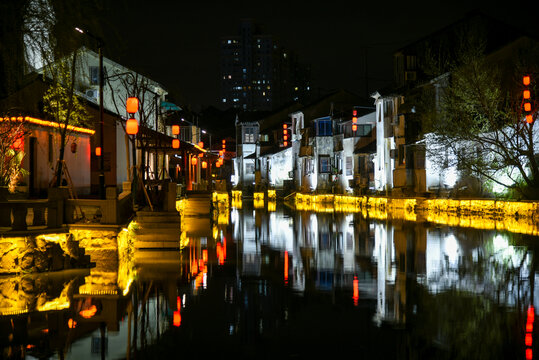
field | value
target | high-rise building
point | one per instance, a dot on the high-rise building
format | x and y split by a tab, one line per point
259	74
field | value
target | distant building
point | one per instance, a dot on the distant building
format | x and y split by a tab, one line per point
257	74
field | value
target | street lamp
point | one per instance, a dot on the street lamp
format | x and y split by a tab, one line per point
100	45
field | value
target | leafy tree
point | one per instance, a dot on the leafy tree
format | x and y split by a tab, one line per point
55	51
474	113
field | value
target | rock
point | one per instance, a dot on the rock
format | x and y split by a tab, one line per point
27	260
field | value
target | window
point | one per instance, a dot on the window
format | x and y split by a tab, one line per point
349	165
94	75
323	128
364	130
308	166
250	168
249	135
324	164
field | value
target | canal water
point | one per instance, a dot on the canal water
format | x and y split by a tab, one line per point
271	282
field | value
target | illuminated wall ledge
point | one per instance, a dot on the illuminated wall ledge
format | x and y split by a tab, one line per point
220	197
519	217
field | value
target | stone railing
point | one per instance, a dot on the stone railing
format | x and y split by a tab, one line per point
19	214
112	210
58	209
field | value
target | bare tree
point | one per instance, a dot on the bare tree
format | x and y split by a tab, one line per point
474	112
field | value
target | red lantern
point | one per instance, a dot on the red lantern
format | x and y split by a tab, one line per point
73	147
18	144
98	151
131	105
201	144
175	143
354	127
131	127
175	129
194	161
204	164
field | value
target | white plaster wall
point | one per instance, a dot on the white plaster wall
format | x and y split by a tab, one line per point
281	163
78	164
383	164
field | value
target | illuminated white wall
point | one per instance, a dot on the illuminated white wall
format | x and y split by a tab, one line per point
281	164
383	164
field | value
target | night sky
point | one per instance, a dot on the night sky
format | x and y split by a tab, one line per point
177	42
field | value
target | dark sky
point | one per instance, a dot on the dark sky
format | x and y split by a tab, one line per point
177	42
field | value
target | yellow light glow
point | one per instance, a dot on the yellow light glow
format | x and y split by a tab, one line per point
47	123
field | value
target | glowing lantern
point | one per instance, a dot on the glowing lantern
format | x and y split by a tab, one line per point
131	126
286	267
285	144
526	80
175	143
200	155
175	129
18	144
354	127
526	94
217	164
201	144
131	105
529	118
204	164
194	161
527	106
98	151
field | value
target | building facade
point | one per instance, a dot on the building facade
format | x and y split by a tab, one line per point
258	74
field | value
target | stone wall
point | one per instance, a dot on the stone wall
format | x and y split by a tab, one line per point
41	253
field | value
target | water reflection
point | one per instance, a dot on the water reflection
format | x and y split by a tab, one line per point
274	282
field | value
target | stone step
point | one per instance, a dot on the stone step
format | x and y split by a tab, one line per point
157	256
158	244
158	226
148	217
155	236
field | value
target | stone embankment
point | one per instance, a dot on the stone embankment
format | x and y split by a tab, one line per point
41	253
